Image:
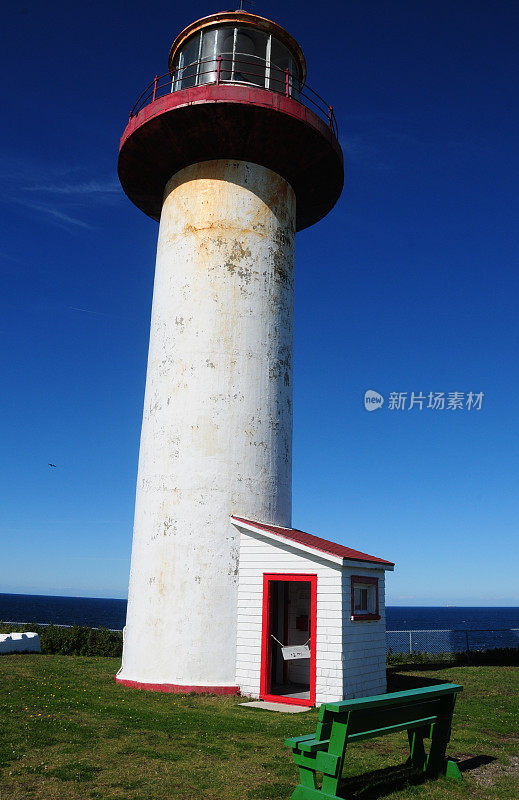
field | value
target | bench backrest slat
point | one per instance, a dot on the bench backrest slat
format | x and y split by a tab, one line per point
366	719
394	698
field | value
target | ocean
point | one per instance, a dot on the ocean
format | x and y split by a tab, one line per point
448	617
448	629
98	612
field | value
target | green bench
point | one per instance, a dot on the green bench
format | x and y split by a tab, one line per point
423	713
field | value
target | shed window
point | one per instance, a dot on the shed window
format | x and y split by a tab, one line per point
364	598
362	593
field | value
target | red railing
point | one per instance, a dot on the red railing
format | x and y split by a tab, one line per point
226	69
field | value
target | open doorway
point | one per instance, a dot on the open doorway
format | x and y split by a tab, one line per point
288	638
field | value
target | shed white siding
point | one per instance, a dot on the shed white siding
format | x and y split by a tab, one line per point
364	642
350	656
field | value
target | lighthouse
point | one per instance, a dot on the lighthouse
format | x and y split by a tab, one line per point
232	153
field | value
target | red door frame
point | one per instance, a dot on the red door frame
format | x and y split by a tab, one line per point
265	638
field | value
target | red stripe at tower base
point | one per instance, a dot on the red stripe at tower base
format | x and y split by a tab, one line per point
173	688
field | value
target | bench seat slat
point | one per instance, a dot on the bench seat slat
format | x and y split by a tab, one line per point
314	745
295	741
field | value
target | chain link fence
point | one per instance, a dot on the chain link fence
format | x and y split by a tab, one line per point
60	625
408	641
450	641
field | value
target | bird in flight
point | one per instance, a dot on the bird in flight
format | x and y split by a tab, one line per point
52	465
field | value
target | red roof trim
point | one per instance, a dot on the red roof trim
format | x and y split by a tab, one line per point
315	542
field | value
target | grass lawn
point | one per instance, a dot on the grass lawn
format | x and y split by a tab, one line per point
69	731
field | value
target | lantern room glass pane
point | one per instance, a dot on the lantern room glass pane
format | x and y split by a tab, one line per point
250	56
189	56
281	61
225	49
207	71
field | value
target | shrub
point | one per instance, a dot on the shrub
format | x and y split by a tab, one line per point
74	641
499	655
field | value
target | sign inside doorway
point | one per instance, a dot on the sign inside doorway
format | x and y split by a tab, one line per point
292	652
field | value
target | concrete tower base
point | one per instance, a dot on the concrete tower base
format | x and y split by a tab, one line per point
217	426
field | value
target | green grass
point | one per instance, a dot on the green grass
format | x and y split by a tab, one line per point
69	731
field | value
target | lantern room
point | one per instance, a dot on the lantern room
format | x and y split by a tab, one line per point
237	47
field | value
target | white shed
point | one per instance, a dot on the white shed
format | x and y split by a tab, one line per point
311	617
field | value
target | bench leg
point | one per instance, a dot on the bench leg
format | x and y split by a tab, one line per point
417	757
330	786
337	747
305	793
307	789
437	763
453	771
307	777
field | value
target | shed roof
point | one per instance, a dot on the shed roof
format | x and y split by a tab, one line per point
308	540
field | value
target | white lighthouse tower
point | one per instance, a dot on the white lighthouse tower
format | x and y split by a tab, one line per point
233	153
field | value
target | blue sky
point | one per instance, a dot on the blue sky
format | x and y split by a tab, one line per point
410	284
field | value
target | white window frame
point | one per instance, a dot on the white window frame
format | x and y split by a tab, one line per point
359	585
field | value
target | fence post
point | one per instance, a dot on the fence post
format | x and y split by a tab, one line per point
218	68
287	83
468	647
155	86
